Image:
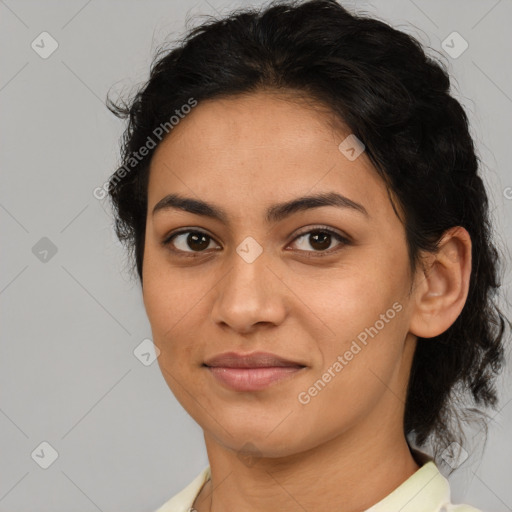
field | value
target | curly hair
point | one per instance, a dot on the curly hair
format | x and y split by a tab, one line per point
381	84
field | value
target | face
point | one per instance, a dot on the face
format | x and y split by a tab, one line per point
322	289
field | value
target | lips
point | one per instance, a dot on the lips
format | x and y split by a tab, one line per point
251	372
255	360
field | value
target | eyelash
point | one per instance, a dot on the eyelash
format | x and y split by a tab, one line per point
312	254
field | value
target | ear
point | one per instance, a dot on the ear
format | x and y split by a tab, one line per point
441	286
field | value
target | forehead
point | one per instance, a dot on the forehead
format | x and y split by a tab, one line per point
248	125
259	148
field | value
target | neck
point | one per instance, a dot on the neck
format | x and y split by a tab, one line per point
335	475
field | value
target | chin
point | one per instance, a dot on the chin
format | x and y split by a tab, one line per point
263	448
255	441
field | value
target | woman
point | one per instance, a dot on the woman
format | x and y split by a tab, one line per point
301	197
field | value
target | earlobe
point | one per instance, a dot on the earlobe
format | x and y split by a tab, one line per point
441	285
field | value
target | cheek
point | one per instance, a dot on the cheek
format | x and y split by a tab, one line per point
167	302
170	312
166	295
176	303
364	307
355	298
358	369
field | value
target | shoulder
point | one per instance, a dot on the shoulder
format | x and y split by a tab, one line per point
426	490
183	501
442	484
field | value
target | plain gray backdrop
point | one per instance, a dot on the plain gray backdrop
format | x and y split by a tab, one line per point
86	423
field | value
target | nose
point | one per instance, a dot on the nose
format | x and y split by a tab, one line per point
250	295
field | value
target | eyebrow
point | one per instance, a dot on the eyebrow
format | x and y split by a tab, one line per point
274	213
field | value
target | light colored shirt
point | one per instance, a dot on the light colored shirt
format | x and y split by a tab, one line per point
427	490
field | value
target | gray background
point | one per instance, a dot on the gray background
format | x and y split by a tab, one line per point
72	320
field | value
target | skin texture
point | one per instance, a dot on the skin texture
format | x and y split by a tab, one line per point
267	450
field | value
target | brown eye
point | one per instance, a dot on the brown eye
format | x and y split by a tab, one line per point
189	241
319	240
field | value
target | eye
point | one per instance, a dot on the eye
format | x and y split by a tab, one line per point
191	242
320	240
184	240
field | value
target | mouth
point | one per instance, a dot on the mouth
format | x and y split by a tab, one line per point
251	372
